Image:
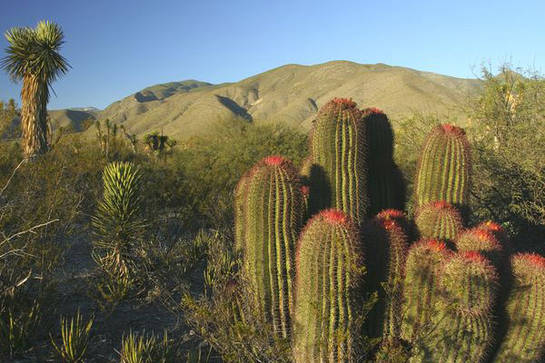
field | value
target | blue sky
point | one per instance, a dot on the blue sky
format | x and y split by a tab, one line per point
117	47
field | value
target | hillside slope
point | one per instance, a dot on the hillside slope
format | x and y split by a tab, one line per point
291	94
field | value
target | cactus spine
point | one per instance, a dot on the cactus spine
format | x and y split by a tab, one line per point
438	220
339	152
272	218
424	261
444	168
463	320
385	182
329	277
387	244
525	337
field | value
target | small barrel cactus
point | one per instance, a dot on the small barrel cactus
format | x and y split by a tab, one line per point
272	216
329	282
386	187
339	154
420	288
463	320
386	247
499	233
438	220
524	340
483	241
445	166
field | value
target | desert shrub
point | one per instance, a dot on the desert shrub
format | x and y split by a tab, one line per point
148	348
75	339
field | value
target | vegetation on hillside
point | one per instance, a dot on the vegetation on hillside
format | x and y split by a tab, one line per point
179	263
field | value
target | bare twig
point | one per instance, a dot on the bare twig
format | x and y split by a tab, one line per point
11	177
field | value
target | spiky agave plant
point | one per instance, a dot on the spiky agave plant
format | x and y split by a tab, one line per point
117	222
339	152
444	169
329	277
524	340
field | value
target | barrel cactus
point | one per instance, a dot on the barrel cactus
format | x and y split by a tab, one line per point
386	188
524	340
420	288
329	282
339	152
463	320
438	220
386	244
272	218
483	241
444	168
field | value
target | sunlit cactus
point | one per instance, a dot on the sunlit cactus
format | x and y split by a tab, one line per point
499	233
483	241
386	187
420	288
329	282
524	340
438	220
445	166
386	248
272	218
339	151
463	320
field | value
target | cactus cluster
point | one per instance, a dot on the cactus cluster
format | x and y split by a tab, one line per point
443	287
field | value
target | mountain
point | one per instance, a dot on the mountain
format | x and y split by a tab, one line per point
291	94
72	118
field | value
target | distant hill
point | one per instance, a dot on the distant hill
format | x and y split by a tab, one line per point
291	94
72	118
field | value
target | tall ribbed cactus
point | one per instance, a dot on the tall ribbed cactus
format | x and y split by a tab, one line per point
525	337
329	278
386	188
272	217
445	166
420	288
386	248
338	145
463	322
438	220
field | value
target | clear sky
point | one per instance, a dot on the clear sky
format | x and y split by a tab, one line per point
117	47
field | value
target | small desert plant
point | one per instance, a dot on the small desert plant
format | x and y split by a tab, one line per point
118	227
75	339
19	321
147	348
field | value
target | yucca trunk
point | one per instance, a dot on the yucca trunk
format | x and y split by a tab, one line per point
34	116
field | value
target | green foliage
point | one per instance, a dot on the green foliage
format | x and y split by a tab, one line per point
19	321
147	348
339	149
75	339
272	218
330	272
118	227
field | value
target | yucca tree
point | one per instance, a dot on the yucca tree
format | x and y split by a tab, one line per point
33	56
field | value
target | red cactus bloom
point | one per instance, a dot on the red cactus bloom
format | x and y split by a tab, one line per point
451	129
373	110
334	216
441	204
473	256
391	214
274	160
347	102
305	190
492	226
533	259
436	245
